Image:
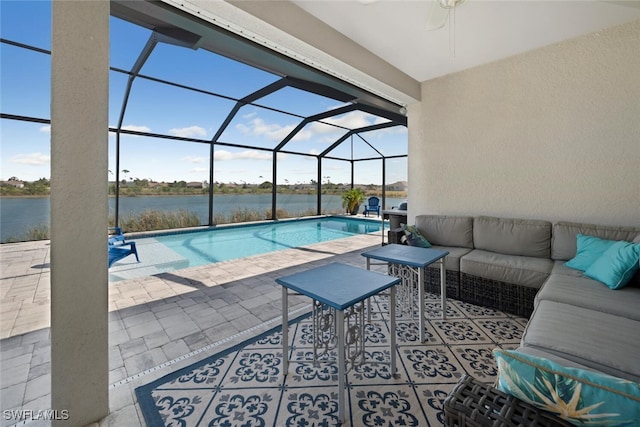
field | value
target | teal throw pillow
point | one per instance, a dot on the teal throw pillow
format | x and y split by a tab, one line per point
582	397
414	238
589	249
617	265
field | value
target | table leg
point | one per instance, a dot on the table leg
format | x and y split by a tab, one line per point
443	289
369	299
341	365
421	302
392	327
285	331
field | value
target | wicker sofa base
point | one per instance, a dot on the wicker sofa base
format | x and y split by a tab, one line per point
514	299
474	404
432	281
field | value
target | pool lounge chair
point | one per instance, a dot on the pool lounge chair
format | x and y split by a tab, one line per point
123	250
373	205
118	247
115	236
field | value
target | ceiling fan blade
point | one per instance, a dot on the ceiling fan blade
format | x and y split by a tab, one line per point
437	16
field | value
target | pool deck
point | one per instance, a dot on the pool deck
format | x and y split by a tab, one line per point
178	317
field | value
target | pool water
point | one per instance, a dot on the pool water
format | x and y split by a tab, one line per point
231	242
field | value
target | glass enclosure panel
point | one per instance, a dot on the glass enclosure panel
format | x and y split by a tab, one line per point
259	127
25	150
25	171
242	180
117	87
177	170
15	16
346	148
296	186
336	178
127	41
205	70
314	138
169	110
298	101
354	120
25	82
368	175
363	150
392	141
396	180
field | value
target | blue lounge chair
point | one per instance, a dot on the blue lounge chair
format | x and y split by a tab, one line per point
373	205
118	247
115	236
116	253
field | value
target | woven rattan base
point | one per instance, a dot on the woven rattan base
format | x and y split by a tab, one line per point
502	296
432	281
474	404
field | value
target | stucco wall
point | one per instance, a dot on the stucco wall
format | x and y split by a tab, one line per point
551	134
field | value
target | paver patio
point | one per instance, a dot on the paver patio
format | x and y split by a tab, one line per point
157	324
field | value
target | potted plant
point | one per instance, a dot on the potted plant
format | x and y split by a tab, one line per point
352	199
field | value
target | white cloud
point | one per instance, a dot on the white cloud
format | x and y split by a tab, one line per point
326	130
45	129
137	128
199	170
352	120
258	127
189	132
32	159
223	155
195	159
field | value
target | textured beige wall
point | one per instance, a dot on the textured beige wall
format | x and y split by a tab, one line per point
551	134
79	282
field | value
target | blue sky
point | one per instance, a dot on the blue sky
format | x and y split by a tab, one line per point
158	108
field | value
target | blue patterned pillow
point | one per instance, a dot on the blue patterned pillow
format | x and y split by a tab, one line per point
588	250
617	265
414	238
579	396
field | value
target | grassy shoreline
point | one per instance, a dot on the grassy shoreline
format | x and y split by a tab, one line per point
155	219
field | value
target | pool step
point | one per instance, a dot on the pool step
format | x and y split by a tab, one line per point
155	258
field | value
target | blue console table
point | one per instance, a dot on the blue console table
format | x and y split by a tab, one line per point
338	292
408	263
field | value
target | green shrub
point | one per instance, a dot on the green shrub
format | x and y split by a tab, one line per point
38	232
153	219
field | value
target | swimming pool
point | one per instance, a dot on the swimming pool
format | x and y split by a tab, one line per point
238	241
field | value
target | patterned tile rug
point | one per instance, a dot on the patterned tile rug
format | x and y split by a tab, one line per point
245	385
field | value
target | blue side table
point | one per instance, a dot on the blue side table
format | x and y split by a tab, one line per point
408	263
338	292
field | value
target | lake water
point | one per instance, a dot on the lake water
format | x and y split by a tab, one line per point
20	214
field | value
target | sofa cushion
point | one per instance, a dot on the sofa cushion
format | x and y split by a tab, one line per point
563	242
446	230
577	395
560	268
617	265
589	249
519	270
584	292
452	261
601	341
522	237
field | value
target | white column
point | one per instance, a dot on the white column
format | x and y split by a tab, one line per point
79	281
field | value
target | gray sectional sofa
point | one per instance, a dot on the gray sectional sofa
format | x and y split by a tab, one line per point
517	266
502	263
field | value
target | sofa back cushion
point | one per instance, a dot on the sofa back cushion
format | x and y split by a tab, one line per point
563	243
511	236
444	230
